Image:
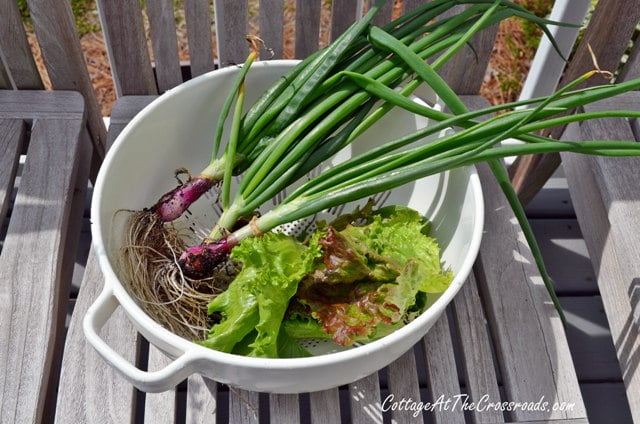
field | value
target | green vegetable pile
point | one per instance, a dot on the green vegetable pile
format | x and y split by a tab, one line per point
354	280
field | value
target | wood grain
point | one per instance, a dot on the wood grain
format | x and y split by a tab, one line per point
410	5
284	409
5	82
403	384
325	406
477	359
42	105
123	111
12	133
271	25
530	342
60	46
383	16
631	68
343	14
617	19
243	406
33	252
365	400
307	27
607	215
441	370
592	214
198	17
231	31
15	49
77	201
159	407
90	390
464	72
127	47
201	400
162	26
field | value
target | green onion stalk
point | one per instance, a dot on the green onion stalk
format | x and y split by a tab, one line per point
315	92
315	135
174	203
475	143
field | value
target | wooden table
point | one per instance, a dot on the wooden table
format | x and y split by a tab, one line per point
501	337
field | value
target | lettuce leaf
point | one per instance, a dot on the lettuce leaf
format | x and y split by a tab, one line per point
370	278
272	266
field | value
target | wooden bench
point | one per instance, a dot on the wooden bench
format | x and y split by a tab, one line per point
39	247
501	336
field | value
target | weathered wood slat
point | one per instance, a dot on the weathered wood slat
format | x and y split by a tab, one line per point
365	400
604	214
384	14
307	27
159	407
165	43
617	19
201	400
127	47
284	409
325	406
90	390
5	82
42	105
198	17
618	182
243	406
441	370
271	22
465	72
631	69
231	31
12	134
410	5
403	384
477	360
74	230
15	49
60	45
33	252
530	342
123	111
604	254
343	14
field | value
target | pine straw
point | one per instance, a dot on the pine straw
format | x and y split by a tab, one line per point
148	267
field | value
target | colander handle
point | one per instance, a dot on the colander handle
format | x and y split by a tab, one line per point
156	381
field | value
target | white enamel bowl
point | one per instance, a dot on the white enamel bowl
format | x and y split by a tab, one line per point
176	131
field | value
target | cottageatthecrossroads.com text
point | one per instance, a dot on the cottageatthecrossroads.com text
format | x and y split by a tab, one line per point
462	402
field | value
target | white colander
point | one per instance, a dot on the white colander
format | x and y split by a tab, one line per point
176	131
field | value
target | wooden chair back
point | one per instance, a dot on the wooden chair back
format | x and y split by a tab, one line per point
133	69
57	36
